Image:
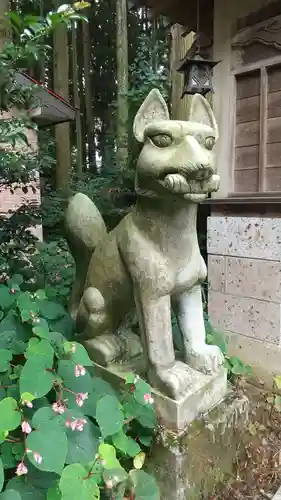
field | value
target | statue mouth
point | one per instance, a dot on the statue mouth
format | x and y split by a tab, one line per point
203	182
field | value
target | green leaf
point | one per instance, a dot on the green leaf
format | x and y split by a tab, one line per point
277	403
75	483
27	306
144	414
27	396
54	494
5	358
40	294
217	338
146	440
26	490
139	460
51	444
7	298
99	389
109	416
41	348
3	436
15	280
9	461
277	381
142	388
35	377
45	415
10	495
1	475
115	476
51	310
41	329
108	458
66	370
144	486
82	446
78	353
125	444
10	416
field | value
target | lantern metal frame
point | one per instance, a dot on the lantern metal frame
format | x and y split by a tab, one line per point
197	75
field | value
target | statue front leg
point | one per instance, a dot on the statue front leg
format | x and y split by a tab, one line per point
189	312
164	373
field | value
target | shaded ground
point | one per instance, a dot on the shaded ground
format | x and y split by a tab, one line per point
257	471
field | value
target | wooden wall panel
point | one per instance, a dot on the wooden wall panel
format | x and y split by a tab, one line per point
274	78
246	181
274	130
248	109
246	157
273	178
247	134
274	104
248	85
273	154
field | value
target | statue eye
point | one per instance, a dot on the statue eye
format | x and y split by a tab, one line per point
209	142
161	140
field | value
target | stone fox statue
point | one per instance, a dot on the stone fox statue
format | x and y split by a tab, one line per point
152	258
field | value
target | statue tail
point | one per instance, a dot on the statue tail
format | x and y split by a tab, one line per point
84	228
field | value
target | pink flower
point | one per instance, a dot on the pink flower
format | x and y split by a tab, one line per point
21	469
79	371
76	425
80	398
25	427
38	459
148	399
27	403
80	424
58	407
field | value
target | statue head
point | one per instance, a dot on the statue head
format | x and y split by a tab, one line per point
177	156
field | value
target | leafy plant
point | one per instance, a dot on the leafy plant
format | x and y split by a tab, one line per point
235	366
64	432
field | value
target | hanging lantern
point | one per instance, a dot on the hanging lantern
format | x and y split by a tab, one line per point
197	75
197	70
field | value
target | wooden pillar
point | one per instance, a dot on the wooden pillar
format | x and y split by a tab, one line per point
179	47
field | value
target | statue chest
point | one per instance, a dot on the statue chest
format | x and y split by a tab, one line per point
189	271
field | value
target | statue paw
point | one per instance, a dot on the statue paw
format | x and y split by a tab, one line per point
171	381
204	358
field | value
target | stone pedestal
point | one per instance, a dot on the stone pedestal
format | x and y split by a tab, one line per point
198	434
203	393
190	465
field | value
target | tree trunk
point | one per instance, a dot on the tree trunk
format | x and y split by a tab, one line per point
61	83
81	88
4	31
179	47
76	99
122	84
88	96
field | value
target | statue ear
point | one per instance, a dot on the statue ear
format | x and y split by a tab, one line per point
153	108
201	112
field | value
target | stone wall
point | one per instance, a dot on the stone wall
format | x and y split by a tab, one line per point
245	288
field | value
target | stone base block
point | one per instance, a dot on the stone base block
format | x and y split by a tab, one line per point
203	393
190	465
